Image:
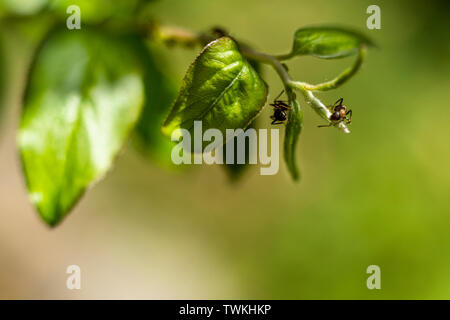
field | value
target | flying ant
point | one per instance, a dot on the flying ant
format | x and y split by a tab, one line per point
339	113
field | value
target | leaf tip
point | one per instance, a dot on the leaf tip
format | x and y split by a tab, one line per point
51	220
52	223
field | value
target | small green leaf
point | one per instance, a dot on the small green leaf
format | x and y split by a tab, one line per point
327	42
220	88
160	93
292	134
83	97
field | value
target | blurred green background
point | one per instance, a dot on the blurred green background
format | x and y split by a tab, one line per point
377	196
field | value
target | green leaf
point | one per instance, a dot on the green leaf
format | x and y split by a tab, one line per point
236	170
292	134
220	88
160	93
84	95
327	42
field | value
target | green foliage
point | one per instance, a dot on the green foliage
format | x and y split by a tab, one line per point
160	93
235	170
292	134
84	95
327	42
220	88
89	89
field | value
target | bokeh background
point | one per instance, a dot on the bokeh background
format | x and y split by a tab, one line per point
377	196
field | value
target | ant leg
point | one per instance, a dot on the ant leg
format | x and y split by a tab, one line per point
325	125
349	119
282	107
349	113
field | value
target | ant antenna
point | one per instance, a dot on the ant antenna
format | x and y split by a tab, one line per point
339	102
279	95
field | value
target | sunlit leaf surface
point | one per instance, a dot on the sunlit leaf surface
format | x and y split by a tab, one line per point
220	88
84	95
327	42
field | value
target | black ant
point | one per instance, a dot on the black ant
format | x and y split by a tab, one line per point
339	113
280	109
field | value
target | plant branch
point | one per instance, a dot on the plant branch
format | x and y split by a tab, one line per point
289	84
174	35
340	79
